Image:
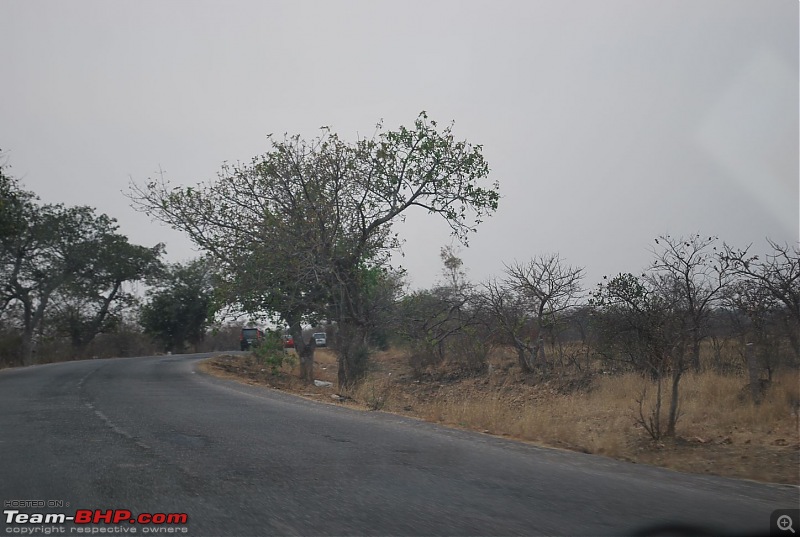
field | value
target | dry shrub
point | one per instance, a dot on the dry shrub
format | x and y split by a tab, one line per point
718	431
422	359
469	350
597	421
724	355
597	415
572	421
602	419
374	392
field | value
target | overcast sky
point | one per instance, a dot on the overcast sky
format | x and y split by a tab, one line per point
607	123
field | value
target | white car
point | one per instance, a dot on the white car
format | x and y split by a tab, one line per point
320	339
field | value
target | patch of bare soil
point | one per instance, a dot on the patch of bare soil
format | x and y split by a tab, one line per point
586	414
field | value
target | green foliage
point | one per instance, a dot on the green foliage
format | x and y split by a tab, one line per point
94	299
297	232
380	287
66	265
272	353
180	306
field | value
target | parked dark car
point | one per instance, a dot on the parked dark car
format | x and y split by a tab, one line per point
250	337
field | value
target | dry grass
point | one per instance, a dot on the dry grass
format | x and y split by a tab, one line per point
720	430
716	404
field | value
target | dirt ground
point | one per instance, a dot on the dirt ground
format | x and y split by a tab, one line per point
558	414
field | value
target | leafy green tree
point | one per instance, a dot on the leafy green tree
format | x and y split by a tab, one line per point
180	305
17	207
28	277
378	288
296	228
51	252
94	298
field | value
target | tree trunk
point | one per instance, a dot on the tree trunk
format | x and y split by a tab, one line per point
353	356
792	331
523	361
655	414
521	358
541	356
305	352
696	353
84	333
27	333
27	347
753	372
672	419
32	319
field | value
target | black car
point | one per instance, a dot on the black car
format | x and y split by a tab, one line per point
250	337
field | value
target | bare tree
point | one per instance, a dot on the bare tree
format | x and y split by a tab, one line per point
639	320
753	310
445	322
529	300
510	315
778	275
698	276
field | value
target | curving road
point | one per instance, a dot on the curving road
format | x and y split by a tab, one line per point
153	435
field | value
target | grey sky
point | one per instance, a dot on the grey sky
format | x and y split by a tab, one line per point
606	123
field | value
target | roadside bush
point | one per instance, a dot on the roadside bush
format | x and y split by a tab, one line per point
272	354
469	350
127	339
421	358
374	392
10	349
220	338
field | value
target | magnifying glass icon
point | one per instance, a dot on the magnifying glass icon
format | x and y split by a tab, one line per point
785	523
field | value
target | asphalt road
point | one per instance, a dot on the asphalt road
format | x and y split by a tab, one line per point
153	435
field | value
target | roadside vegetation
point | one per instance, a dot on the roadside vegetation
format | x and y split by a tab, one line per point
721	432
691	361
